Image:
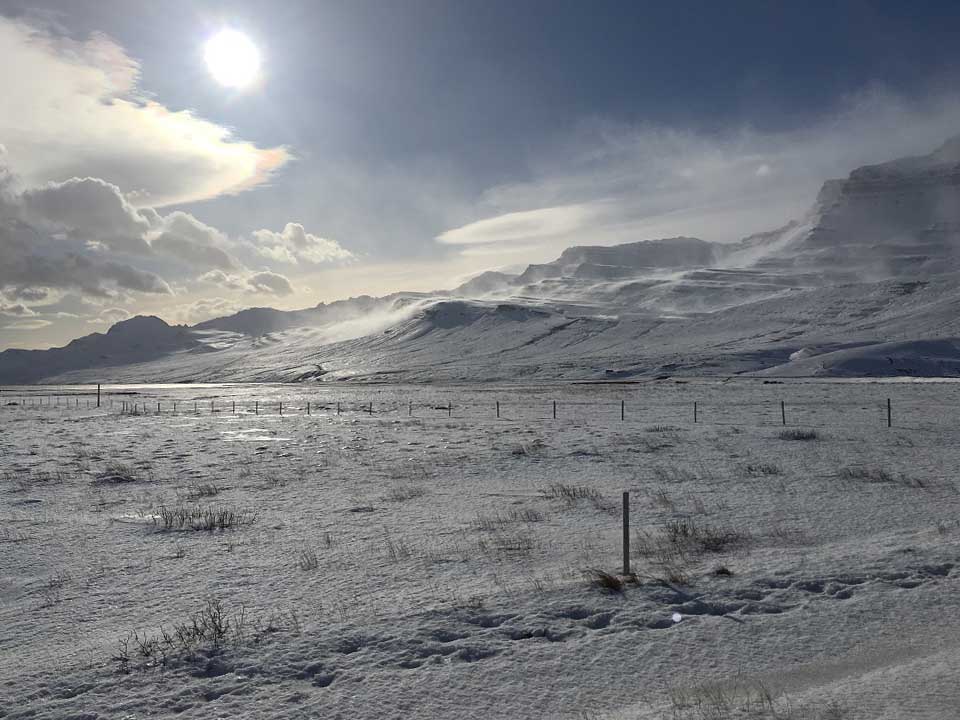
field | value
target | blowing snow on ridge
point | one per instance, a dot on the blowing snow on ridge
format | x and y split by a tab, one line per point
866	283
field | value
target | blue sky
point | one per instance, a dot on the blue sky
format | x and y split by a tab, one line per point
414	142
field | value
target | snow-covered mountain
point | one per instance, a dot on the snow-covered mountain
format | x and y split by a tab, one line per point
867	283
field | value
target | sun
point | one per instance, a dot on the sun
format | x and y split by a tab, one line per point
232	58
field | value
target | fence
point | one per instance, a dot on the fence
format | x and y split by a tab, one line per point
715	408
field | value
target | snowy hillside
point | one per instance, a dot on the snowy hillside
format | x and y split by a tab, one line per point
874	262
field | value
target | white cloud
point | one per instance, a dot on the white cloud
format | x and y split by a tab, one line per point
110	316
88	209
223	279
31	324
30	258
294	245
524	225
182	237
18	310
270	283
205	309
609	183
78	112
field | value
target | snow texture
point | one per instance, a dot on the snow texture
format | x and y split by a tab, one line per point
416	556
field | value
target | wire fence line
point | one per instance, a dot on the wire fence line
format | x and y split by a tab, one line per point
655	415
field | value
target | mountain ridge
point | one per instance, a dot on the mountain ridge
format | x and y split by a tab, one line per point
876	257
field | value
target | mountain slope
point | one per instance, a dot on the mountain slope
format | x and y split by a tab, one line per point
870	273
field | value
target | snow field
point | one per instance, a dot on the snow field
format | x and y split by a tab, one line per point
390	565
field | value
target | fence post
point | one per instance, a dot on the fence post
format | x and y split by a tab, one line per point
281	407
783	413
233	407
626	532
449	409
308	407
554	409
623	410
338	407
498	409
694	411
410	408
98	394
889	414
370	409
256	407
158	408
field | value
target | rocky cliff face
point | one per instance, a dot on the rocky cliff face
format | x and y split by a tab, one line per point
896	219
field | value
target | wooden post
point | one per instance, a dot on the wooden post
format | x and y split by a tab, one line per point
211	406
889	414
554	409
694	411
410	409
233	407
256	407
281	407
194	406
626	532
78	402
498	409
338	407
449	409
98	394
158	408
783	413
623	409
308	407
370	409
174	407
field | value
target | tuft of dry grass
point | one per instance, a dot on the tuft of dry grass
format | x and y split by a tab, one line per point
604	581
402	493
680	540
762	468
202	518
798	434
566	491
879	475
308	560
119	474
741	699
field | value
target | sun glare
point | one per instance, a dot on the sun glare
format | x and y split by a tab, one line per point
232	58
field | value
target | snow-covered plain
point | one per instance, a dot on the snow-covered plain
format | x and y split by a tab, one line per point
428	559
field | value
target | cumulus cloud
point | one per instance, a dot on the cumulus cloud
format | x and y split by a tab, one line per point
30	258
258	282
110	316
269	282
21	292
18	310
229	281
79	112
205	309
88	209
181	236
295	245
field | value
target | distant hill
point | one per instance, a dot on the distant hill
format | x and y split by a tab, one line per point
866	283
